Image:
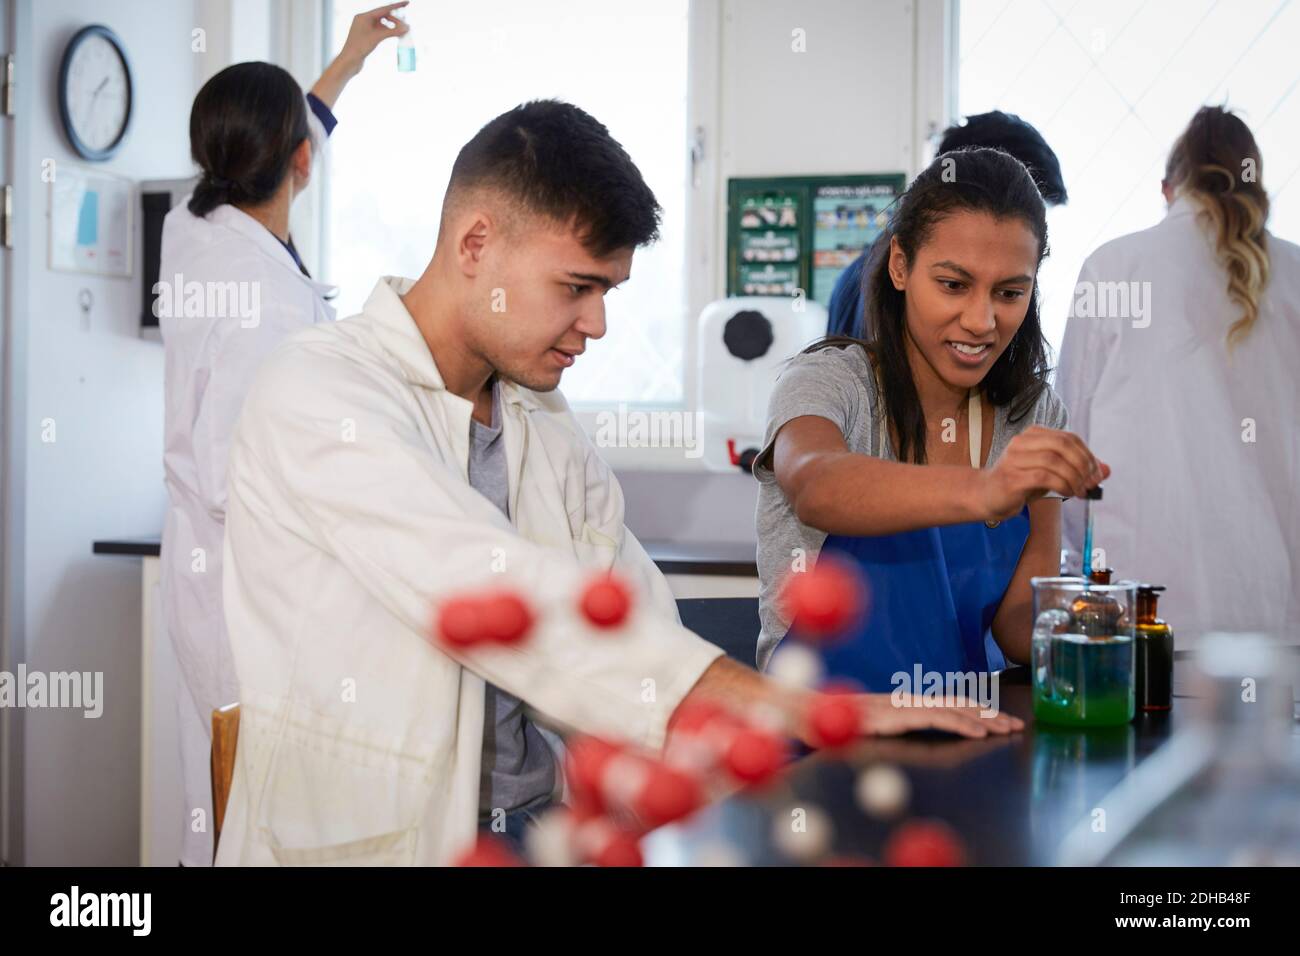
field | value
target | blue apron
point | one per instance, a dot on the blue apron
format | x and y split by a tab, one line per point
934	592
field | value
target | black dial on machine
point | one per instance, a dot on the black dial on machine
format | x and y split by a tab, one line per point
748	335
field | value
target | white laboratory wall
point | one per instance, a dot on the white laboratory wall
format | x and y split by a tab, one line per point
871	85
844	104
100	384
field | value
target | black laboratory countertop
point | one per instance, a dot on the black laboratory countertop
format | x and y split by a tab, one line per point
132	547
1011	799
714	559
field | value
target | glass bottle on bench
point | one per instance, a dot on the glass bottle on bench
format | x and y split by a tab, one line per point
1153	667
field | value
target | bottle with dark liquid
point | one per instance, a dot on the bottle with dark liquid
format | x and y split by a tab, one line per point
1154	660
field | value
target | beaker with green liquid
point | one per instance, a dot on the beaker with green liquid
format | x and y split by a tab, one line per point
1083	648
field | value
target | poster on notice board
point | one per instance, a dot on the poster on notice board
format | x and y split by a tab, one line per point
792	233
91	221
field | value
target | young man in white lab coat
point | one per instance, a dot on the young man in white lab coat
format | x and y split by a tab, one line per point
418	450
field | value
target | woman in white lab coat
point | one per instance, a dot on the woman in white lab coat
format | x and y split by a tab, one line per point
232	288
1179	369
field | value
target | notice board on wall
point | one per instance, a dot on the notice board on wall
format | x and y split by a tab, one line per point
801	232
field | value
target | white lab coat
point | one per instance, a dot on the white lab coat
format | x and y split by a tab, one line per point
1204	446
350	515
210	359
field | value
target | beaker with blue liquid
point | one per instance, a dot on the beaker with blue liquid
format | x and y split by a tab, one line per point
1083	652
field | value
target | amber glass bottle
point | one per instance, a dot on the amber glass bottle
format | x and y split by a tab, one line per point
1154	663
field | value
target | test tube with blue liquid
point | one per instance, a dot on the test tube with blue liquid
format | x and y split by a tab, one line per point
405	47
1094	494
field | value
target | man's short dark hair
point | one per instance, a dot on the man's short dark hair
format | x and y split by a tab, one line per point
1011	134
555	160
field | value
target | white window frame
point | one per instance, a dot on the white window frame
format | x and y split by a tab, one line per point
700	262
299	43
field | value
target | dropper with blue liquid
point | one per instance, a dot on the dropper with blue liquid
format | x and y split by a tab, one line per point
1094	494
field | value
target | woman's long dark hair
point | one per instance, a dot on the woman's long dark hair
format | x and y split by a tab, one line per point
244	126
968	180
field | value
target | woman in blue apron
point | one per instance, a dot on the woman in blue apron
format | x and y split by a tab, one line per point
934	456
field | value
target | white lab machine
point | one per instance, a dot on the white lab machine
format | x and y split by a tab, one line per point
744	343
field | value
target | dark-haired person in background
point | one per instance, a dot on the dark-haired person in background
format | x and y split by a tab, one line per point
923	454
995	130
237	288
1179	364
419	451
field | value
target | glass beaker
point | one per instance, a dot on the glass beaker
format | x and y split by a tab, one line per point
1083	652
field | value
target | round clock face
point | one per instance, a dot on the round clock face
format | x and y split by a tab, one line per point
98	93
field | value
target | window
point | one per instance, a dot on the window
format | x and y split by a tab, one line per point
1110	85
399	133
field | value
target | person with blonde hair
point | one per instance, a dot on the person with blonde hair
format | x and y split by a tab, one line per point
1178	368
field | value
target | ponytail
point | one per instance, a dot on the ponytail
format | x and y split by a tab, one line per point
245	124
209	193
1216	163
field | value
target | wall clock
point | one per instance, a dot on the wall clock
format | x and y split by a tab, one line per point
95	92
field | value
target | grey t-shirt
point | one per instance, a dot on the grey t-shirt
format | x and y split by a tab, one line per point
836	384
518	767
